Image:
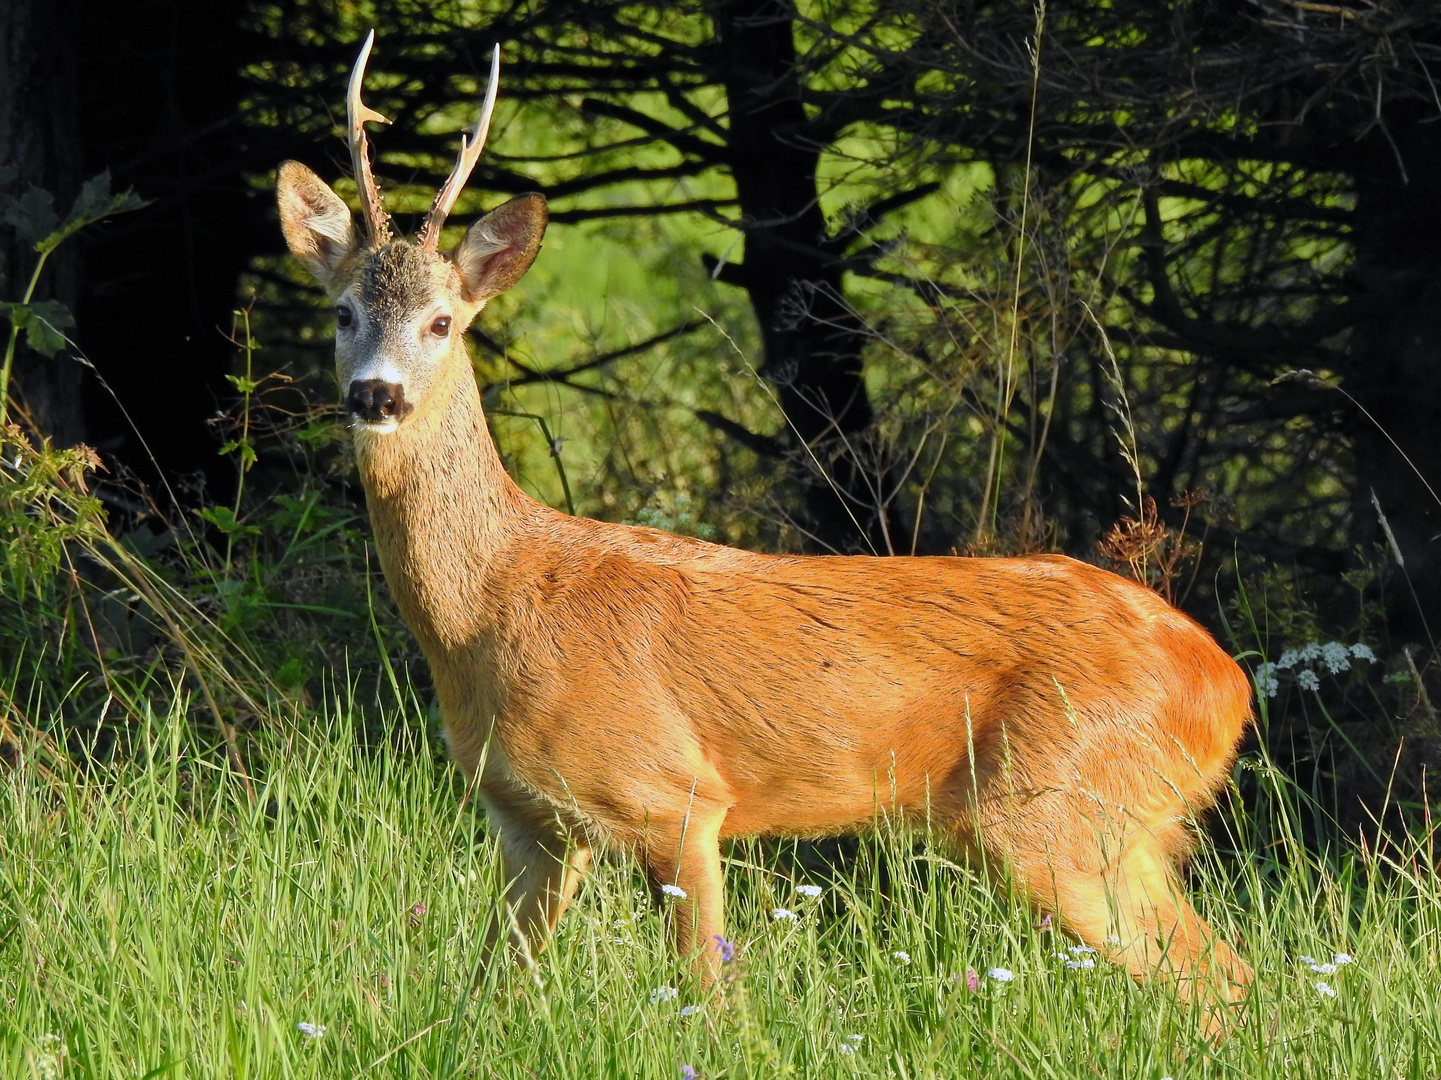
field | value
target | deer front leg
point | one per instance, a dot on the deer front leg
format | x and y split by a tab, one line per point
687	856
543	865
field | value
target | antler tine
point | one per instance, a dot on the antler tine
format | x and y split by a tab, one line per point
377	221
471	144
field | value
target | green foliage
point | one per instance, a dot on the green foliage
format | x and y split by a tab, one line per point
47	516
45	504
679	518
33	217
43	322
36	221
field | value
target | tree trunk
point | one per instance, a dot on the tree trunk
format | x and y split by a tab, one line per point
1395	366
161	90
39	136
812	341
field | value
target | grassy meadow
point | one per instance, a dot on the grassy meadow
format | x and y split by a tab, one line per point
158	919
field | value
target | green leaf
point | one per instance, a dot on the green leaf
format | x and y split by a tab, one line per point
90	203
32	214
224	519
316	435
94	203
248	457
43	323
244	385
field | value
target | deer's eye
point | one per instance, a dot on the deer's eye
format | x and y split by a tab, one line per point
441	326
343	315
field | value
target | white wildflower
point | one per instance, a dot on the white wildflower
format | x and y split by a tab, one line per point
1001	974
850	1044
1341	959
1309	652
1322	969
673	890
1308	680
782	913
1325	989
1266	682
809	891
689	1010
1084	964
1363	652
1307	959
901	956
50	1059
1080	950
1336	656
663	993
1289	659
313	1031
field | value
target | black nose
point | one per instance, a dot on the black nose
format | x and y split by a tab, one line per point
375	400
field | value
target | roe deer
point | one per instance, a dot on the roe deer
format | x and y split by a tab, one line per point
619	684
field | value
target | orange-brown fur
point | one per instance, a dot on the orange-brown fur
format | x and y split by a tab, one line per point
606	682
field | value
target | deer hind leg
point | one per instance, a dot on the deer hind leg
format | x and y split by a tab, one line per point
1117	889
687	856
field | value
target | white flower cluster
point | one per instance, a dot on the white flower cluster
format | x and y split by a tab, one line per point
1078	957
1320	967
1334	656
50	1061
1266	682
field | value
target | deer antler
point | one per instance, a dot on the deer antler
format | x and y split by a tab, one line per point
471	144
377	221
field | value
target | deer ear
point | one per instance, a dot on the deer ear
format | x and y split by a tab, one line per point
316	222
499	248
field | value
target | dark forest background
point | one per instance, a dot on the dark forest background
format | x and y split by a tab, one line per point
1157	285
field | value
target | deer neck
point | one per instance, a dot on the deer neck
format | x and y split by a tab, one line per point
443	510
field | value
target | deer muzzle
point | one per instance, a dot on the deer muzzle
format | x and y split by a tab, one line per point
375	401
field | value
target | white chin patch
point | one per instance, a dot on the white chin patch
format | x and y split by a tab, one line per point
383	427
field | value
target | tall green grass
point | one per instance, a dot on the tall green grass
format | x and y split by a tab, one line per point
154	920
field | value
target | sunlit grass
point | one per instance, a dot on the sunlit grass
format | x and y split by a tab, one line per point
153	921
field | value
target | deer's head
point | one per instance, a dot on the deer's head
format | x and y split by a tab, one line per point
402	307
